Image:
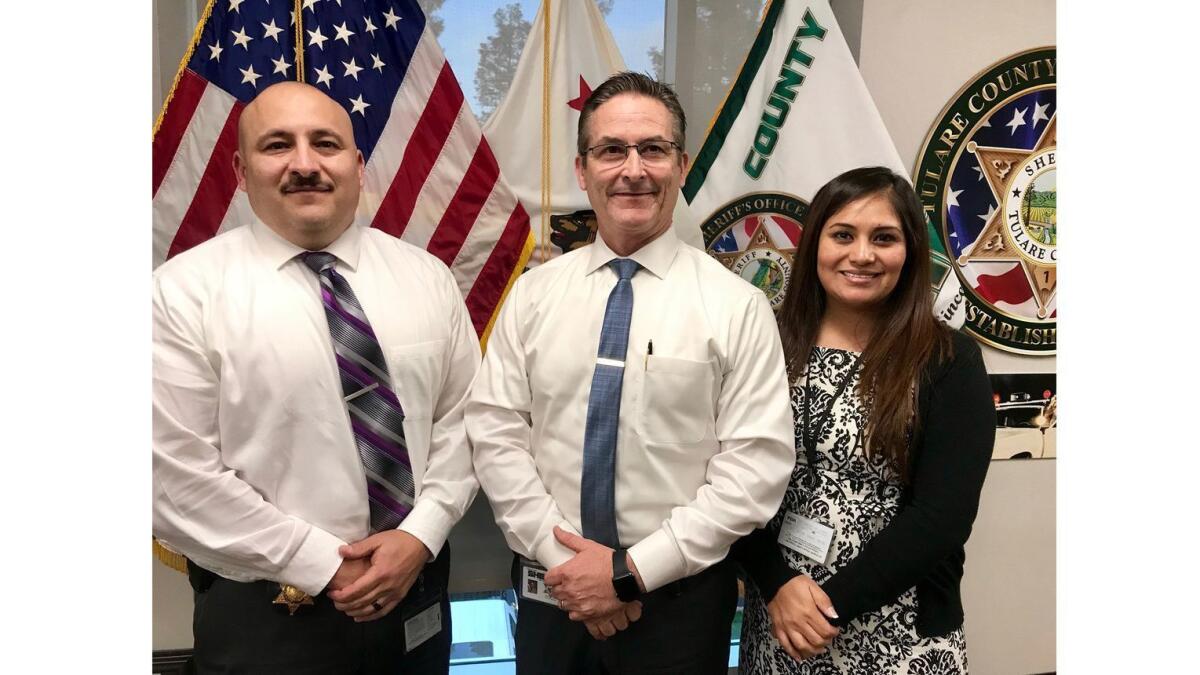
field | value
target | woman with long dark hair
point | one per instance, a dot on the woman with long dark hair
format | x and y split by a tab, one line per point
859	571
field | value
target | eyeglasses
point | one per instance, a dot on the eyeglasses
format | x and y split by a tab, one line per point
649	152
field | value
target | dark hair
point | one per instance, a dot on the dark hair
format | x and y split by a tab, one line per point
906	335
629	82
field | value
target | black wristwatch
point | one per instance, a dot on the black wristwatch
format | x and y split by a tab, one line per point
624	583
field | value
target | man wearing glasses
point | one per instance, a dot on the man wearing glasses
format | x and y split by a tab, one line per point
631	418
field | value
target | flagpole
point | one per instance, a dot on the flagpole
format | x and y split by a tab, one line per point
299	9
546	193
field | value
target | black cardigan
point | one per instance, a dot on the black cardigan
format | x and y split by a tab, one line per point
923	545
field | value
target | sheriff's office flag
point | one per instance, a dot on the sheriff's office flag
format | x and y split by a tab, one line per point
533	128
431	177
798	115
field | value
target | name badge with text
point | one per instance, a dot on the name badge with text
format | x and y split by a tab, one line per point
533	584
810	538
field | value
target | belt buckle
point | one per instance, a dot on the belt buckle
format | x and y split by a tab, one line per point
292	597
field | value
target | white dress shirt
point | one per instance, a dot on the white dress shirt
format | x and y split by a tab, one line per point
704	441
256	473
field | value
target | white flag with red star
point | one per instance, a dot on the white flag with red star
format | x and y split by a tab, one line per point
582	54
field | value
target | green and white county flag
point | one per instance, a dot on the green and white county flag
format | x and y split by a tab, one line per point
798	115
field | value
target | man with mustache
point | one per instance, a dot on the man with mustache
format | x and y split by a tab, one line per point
631	419
309	380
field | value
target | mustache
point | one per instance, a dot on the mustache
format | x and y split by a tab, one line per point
644	188
298	183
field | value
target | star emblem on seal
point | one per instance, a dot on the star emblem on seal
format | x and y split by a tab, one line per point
1011	234
987	181
755	237
762	262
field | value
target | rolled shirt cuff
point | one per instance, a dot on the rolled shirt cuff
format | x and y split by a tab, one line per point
658	560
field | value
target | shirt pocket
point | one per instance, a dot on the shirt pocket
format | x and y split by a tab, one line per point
676	405
417	375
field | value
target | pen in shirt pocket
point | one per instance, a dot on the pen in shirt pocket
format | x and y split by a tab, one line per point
649	353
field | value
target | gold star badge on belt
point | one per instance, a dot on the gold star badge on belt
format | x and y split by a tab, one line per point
292	597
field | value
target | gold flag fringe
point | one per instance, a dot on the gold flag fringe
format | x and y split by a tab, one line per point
522	261
170	558
187	56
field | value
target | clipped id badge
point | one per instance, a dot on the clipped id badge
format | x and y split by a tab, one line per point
810	538
533	583
423	625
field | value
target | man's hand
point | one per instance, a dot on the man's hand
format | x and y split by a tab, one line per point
583	584
396	558
608	625
798	618
347	573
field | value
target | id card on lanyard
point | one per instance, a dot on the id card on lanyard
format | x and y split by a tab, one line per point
808	536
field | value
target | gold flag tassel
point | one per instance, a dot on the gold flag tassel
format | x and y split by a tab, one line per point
170	558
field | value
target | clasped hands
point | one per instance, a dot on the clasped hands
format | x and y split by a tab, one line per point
799	618
583	587
376	573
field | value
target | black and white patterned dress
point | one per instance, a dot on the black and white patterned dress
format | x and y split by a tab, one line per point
858	496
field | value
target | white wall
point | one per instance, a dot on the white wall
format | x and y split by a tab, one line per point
174	21
915	56
171	623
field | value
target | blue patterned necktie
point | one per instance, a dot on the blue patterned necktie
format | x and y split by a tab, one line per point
376	417
597	499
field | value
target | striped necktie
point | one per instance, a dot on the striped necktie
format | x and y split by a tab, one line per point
376	416
597	497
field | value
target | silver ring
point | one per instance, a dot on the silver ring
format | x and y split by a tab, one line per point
560	605
378	607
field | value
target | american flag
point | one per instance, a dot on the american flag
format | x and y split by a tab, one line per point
431	178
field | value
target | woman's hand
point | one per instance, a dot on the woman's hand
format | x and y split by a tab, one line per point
799	618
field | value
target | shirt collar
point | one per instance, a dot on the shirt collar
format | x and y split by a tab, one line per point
655	257
278	251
